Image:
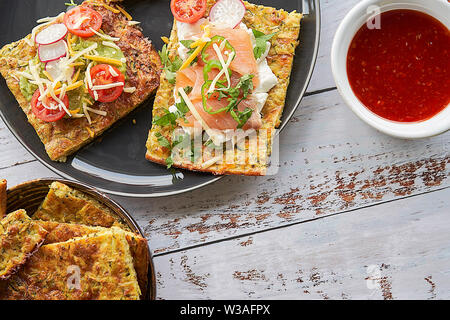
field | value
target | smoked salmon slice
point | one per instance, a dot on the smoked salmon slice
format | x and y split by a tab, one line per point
223	120
243	63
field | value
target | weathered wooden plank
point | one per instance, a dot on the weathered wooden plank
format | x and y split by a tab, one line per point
396	250
11	152
25	172
330	162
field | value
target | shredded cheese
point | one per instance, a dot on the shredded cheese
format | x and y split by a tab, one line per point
88	75
224	70
165	40
126	14
75	77
104	5
80	22
81	53
104	36
76	64
86	113
36	77
91	133
89	102
62	92
197	116
110	44
96	111
104	60
129	89
211	162
60	103
219	54
48	75
113	72
199	45
25	75
74	112
71	87
189	60
108	86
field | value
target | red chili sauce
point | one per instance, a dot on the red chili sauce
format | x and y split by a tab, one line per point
401	71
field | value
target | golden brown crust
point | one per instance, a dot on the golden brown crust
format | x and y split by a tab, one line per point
66	136
3	187
65	204
20	237
280	59
60	232
102	262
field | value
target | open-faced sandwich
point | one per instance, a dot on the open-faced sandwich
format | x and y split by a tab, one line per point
227	68
80	72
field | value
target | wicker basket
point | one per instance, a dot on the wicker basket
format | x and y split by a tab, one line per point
29	196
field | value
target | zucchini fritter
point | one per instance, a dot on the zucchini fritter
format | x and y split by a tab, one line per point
60	232
66	136
20	237
101	262
67	205
2	198
286	26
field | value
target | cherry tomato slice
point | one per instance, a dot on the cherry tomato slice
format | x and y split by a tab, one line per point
188	11
101	75
90	19
45	114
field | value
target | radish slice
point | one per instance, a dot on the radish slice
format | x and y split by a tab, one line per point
55	70
227	13
52	52
51	34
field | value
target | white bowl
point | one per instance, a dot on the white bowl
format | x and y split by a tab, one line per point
439	9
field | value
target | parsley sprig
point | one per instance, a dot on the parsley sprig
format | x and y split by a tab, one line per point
234	96
170	118
170	67
261	42
71	4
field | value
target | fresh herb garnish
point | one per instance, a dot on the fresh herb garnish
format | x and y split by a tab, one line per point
170	118
170	67
70	4
187	45
163	141
261	42
234	96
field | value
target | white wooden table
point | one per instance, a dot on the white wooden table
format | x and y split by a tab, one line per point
352	213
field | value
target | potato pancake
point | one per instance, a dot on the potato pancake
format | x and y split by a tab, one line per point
60	232
119	44
20	237
67	205
94	267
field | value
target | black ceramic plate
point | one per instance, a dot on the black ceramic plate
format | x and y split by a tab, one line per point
115	163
